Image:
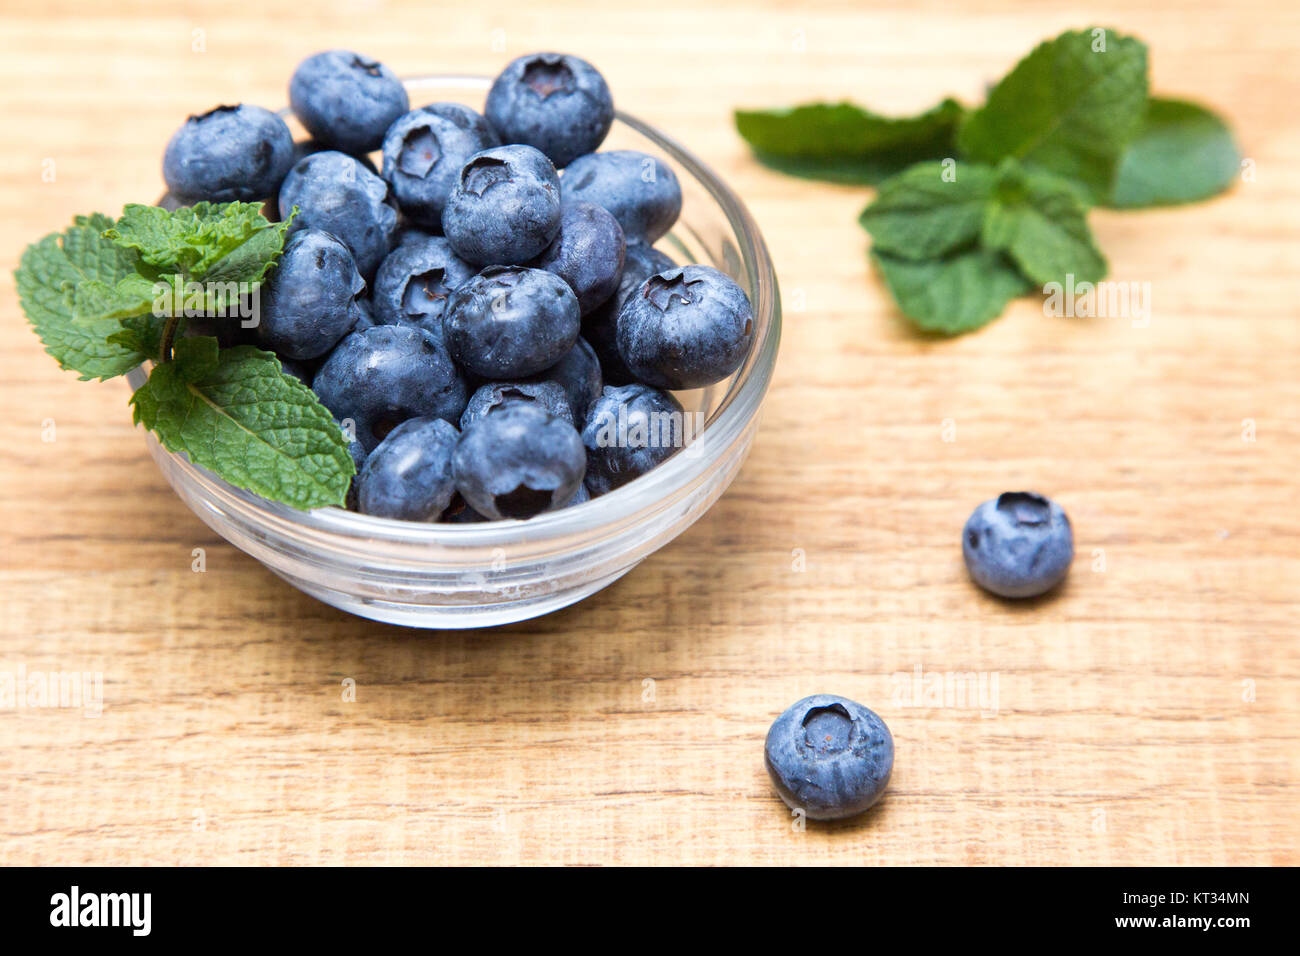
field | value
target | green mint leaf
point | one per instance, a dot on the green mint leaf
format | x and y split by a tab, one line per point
1071	106
929	210
234	412
49	277
1182	153
953	295
227	242
1041	223
844	143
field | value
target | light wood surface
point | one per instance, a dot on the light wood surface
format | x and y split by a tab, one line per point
1146	714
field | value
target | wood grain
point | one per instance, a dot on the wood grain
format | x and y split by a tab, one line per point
1147	714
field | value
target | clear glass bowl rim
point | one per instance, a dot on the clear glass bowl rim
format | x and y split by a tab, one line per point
612	510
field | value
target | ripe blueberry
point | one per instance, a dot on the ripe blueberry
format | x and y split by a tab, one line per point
384	375
345	100
685	328
829	757
557	103
587	254
228	153
511	322
629	430
336	193
311	298
504	208
518	461
1018	544
408	475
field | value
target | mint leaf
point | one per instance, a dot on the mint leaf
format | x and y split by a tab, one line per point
844	143
50	276
1182	153
228	242
1070	107
235	413
929	210
953	295
1040	222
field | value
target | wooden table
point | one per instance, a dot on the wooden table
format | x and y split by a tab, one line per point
1147	714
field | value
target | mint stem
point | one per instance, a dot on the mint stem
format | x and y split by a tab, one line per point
168	335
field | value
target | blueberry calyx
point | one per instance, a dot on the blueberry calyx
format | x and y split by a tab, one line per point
547	75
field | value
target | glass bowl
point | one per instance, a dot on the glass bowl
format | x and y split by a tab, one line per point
477	575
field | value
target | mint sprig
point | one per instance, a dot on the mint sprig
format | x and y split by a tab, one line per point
102	297
983	205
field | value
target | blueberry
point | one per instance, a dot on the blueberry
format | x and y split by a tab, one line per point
511	322
310	301
424	152
829	757
685	328
345	100
639	190
337	194
228	153
600	327
302	371
504	208
555	102
408	475
587	254
629	430
365	316
578	373
518	461
1018	544
415	281
382	376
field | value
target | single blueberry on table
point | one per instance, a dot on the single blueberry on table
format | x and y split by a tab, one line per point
829	757
552	101
310	301
639	190
518	461
346	100
578	373
228	153
382	376
588	253
511	322
416	280
504	208
494	395
685	328
1018	544
408	475
337	194
600	327
424	152
630	429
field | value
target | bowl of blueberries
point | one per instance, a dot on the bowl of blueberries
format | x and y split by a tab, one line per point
545	328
